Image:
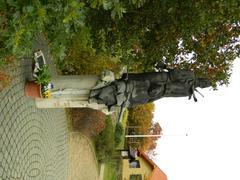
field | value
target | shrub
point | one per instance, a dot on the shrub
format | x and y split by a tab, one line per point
121	136
104	142
81	58
5	80
20	21
88	121
118	133
6	63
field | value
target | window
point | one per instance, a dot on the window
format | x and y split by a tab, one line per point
136	177
134	164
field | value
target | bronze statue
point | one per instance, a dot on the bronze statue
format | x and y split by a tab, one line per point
133	89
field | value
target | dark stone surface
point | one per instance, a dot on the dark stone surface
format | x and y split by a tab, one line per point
134	89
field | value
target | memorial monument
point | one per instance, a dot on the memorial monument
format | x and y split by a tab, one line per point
106	93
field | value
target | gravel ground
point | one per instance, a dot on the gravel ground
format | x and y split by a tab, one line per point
82	160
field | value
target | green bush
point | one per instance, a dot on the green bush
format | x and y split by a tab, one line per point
121	144
104	142
82	58
118	133
20	21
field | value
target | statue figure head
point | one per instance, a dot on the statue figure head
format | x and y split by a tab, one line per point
202	82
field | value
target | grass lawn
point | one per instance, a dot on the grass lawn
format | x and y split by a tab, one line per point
124	123
110	172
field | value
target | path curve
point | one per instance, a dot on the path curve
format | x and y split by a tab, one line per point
82	160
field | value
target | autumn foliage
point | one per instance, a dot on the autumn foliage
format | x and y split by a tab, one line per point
4	79
88	121
141	119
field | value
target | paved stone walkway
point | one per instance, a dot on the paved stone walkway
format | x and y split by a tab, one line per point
33	142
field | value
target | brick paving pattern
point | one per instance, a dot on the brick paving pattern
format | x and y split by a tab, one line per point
33	142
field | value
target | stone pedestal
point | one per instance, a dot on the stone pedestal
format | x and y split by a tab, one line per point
69	103
71	92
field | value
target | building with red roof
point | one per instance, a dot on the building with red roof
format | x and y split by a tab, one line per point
141	167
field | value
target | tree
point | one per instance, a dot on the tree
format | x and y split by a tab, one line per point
150	143
199	35
156	128
142	117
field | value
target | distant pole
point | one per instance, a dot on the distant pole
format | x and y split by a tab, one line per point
143	135
150	135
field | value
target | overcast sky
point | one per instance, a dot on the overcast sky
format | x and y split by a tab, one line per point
211	151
